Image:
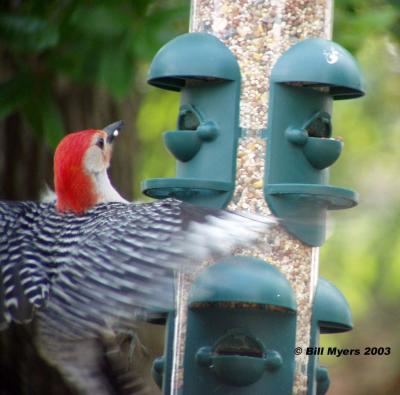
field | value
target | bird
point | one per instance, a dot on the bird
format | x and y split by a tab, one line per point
90	263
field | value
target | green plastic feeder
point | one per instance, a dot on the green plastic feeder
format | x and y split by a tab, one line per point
238	369
331	311
157	371
323	380
192	57
322	153
321	65
204	144
330	314
243	279
304	82
183	144
241	330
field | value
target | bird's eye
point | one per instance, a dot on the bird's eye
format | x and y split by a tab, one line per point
100	143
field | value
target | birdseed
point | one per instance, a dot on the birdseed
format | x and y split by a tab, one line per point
258	32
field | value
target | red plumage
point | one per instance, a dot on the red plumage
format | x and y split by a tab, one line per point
73	186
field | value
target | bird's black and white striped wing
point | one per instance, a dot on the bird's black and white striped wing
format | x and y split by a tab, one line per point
124	266
108	266
21	271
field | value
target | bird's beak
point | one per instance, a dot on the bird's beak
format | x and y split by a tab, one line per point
113	130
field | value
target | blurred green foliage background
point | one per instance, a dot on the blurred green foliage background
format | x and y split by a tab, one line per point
75	64
362	255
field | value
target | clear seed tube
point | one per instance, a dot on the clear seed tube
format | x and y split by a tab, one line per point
258	32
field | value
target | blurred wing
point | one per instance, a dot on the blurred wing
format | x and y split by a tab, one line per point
91	365
124	267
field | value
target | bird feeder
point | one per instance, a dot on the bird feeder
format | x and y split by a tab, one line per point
240	338
204	144
257	80
304	82
330	314
233	344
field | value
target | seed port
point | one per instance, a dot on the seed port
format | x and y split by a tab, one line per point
189	118
188	121
319	125
239	344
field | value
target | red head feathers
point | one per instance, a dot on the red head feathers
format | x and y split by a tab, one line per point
80	169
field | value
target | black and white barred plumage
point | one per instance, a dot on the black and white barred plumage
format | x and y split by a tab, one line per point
108	265
86	274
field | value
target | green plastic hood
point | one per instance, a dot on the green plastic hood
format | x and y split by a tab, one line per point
243	279
320	63
331	310
192	56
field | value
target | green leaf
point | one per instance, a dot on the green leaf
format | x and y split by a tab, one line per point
116	71
102	20
160	25
355	22
27	33
44	116
52	124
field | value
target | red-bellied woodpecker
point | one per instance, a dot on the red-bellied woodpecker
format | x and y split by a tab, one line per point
92	262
